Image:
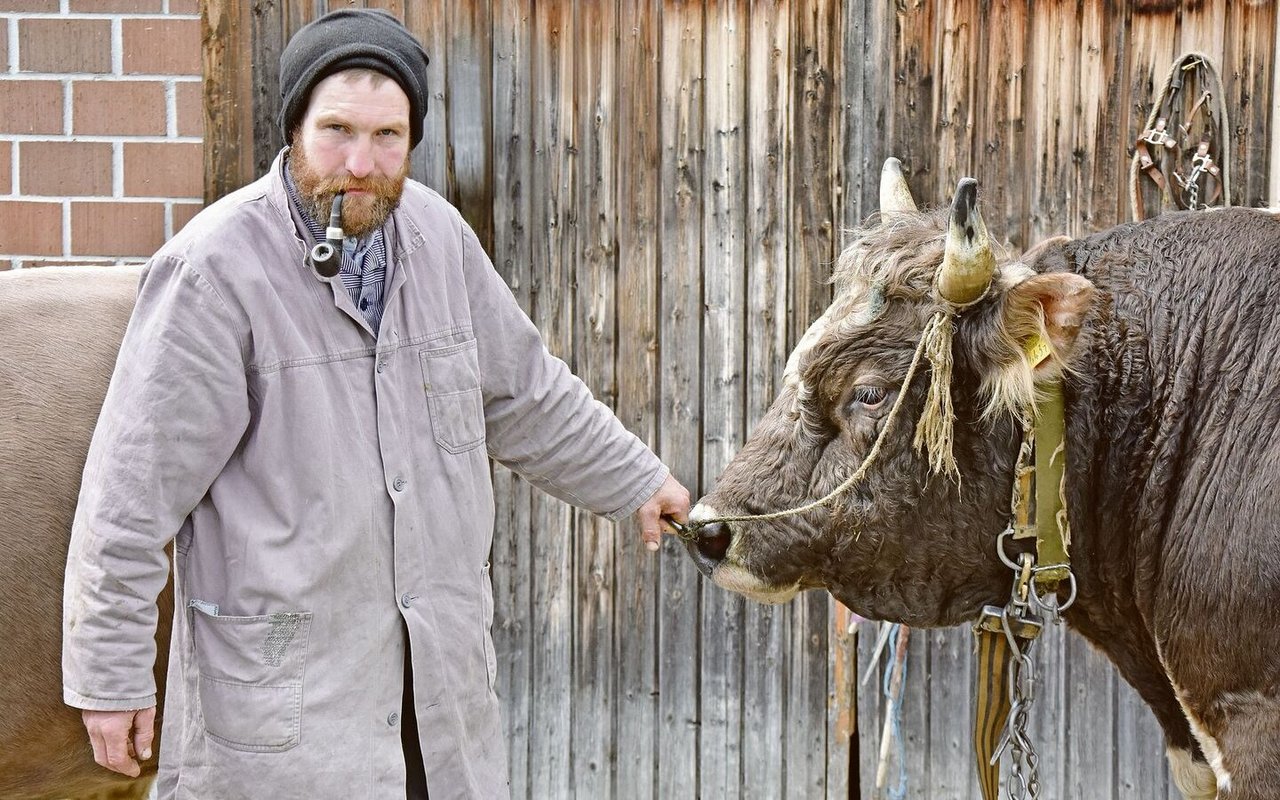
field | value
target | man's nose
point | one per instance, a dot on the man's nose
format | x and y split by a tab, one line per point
360	159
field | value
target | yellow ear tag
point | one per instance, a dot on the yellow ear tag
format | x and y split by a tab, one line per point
1038	350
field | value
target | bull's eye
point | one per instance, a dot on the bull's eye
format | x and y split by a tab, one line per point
869	397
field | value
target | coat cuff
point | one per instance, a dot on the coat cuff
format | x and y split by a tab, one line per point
638	499
76	700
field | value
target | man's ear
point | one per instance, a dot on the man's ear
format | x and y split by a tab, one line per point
1043	315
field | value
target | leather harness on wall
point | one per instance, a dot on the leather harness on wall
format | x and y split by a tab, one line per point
1183	151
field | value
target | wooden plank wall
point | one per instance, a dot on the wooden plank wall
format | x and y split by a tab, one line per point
658	183
664	185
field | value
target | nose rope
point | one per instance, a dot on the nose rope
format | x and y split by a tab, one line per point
689	531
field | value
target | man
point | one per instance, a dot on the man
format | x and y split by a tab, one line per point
317	450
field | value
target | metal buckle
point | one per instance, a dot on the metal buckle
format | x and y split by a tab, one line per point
1157	136
999	620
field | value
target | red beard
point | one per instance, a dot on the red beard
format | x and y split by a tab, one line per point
361	213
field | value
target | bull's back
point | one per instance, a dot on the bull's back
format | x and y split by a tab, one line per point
1196	319
60	330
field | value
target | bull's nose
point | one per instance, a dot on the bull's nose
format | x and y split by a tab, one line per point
713	540
710	546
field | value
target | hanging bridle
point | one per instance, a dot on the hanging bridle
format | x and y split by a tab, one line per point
1185	158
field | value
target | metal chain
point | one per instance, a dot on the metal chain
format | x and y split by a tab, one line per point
1021	621
1193	188
1024	775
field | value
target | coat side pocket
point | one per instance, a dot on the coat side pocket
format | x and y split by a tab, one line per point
486	611
251	671
451	378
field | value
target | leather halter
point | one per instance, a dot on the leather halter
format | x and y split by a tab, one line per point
1003	633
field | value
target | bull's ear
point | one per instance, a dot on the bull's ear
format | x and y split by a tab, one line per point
1059	299
1040	248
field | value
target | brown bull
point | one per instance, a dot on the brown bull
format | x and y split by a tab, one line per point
59	330
1165	336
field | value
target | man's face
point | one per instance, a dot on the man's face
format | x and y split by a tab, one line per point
354	137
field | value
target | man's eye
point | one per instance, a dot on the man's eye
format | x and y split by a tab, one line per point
870	396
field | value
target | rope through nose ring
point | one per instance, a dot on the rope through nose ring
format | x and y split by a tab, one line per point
689	531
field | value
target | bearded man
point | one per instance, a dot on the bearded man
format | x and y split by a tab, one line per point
317	450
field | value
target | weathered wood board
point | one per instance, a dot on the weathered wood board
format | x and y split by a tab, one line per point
664	186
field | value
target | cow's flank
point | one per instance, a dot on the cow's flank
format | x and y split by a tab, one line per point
60	329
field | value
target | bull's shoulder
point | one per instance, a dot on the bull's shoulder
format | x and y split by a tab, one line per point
1188	231
1185	247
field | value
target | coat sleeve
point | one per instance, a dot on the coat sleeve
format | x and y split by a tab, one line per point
175	410
541	420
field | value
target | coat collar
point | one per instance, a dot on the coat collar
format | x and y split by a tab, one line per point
403	237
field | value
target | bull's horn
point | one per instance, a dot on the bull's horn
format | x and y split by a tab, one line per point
968	263
895	195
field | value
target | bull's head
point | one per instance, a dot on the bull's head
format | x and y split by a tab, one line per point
906	542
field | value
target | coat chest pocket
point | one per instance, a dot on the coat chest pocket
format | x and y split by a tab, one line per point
451	377
251	672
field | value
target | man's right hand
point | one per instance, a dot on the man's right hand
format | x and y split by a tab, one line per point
120	738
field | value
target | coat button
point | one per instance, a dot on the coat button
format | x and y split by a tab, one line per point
399	484
381	366
393	718
407	599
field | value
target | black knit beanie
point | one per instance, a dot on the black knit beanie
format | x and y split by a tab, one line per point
348	39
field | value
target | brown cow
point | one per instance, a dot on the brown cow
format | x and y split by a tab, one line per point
1166	336
60	329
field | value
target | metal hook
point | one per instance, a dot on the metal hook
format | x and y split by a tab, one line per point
687	531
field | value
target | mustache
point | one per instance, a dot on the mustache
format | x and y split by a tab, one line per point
374	185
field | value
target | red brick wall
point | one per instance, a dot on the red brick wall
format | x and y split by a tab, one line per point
101	128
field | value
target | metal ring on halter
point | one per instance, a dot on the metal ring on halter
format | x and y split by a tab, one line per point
1052	606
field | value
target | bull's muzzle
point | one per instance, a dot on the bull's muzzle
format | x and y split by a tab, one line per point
711	545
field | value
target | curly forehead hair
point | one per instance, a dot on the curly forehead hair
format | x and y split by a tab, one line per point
896	259
899	254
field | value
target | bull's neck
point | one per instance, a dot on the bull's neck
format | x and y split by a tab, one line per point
1123	425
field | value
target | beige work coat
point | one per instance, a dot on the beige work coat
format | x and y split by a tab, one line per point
326	490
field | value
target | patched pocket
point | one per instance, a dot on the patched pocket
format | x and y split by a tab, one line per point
451	377
251	671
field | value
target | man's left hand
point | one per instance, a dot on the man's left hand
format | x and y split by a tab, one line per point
671	500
